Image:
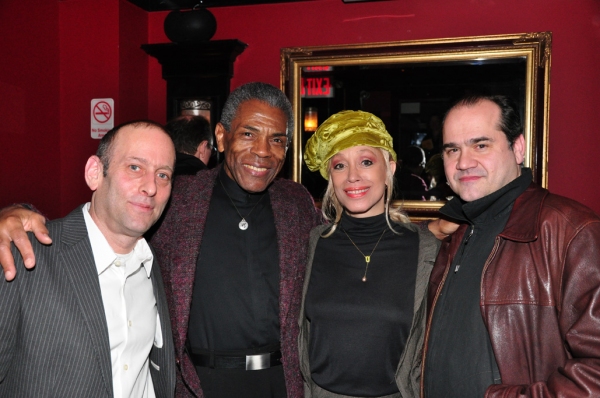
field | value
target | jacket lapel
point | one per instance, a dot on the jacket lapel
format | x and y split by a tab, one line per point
192	210
282	215
77	258
164	357
293	222
527	207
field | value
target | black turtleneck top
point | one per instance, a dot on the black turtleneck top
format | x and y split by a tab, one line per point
460	359
358	329
235	302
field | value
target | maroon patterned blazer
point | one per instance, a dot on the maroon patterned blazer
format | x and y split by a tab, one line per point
177	244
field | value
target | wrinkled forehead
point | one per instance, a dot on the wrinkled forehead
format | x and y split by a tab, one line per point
144	141
254	109
252	106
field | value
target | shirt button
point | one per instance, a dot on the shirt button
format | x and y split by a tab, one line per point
118	263
129	323
126	367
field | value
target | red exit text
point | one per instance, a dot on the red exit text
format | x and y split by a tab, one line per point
316	87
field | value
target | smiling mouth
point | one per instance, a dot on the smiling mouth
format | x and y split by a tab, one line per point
260	169
356	192
469	178
143	207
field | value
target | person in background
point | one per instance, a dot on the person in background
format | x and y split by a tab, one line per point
438	184
364	298
432	142
514	297
411	185
92	319
193	141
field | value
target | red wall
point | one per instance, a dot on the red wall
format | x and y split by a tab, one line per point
575	80
100	57
58	55
29	103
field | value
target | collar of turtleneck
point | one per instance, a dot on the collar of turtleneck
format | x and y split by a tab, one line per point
366	226
235	192
490	207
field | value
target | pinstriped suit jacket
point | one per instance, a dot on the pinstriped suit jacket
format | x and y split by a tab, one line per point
53	331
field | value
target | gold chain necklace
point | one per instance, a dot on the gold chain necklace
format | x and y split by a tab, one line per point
367	258
243	225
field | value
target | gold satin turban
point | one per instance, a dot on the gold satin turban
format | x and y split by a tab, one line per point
344	130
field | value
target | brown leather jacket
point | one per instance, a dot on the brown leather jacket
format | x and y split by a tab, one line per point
540	298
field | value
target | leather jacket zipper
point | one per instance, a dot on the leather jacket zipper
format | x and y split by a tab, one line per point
462	252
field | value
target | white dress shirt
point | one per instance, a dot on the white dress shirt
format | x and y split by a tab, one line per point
130	308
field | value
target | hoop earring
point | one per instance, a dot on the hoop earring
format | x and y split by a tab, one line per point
386	207
385	195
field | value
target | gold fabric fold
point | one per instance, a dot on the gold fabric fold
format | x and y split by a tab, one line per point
344	130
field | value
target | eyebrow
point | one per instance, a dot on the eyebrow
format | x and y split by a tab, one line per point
471	141
144	161
277	134
250	128
141	160
372	150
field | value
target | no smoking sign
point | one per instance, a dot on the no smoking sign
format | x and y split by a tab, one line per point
102	116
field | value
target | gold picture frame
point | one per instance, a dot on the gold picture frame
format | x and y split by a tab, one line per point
529	52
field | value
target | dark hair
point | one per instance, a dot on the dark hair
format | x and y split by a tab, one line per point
264	92
187	132
510	119
104	151
413	156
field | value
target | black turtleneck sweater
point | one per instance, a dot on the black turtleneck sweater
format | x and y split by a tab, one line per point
358	329
460	360
235	302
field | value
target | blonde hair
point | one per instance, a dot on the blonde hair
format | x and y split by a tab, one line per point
332	208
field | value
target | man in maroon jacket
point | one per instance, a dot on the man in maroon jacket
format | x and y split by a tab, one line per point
233	251
514	296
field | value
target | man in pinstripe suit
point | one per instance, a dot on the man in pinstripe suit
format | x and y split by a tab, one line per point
92	320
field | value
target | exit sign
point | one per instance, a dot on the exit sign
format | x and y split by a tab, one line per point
316	87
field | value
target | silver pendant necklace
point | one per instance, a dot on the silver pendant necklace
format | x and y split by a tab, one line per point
243	225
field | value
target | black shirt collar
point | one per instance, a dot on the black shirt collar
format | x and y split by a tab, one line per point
235	192
491	206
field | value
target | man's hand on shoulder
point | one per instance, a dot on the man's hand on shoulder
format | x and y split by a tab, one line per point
15	221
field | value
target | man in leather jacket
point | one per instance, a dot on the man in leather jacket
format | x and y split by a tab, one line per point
514	296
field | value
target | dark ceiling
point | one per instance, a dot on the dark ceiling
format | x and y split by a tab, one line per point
163	5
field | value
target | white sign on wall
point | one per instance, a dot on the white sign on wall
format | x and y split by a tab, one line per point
102	116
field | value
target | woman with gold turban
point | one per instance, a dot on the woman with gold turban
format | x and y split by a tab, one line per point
363	304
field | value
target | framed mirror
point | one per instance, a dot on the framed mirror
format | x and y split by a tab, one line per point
410	85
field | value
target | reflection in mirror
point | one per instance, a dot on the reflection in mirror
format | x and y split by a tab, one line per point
410	86
411	100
